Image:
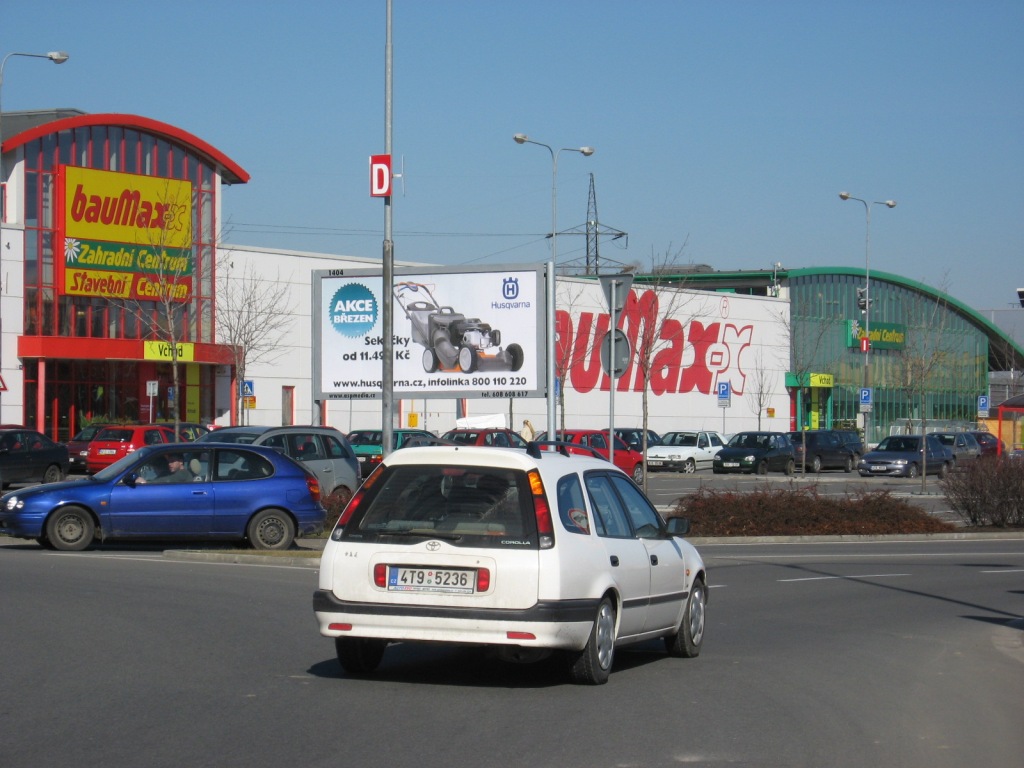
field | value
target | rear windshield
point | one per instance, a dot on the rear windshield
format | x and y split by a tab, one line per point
114	435
468	506
222	436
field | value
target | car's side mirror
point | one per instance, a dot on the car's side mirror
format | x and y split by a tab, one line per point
678	526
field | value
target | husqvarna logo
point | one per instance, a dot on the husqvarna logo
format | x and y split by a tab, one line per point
510	288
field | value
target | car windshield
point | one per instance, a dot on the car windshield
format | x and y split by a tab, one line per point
225	436
680	438
899	444
749	440
86	435
109	473
491	506
365	438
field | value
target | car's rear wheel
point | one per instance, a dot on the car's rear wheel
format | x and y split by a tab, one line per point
70	529
790	467
687	641
359	655
638	474
593	664
816	464
848	466
53	474
271	529
689	466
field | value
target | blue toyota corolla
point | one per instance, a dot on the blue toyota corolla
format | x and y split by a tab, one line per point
174	491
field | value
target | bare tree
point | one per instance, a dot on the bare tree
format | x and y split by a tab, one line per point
761	386
925	365
806	336
674	308
254	314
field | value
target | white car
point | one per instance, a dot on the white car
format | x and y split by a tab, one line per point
684	451
529	552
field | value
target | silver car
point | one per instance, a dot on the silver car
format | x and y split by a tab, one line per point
324	450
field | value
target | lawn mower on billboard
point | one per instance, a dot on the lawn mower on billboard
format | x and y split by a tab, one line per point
451	341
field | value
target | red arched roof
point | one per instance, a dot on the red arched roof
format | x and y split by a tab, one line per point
231	172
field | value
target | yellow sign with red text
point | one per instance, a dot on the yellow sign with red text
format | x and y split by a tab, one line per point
125	236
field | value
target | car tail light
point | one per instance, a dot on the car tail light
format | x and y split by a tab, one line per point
483	579
357	498
541	510
314	487
380	575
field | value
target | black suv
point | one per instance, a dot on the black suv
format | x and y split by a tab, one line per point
851	439
824	450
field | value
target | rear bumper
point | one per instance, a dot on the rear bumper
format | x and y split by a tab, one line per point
564	624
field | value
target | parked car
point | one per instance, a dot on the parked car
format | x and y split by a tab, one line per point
117	441
218	491
904	455
758	452
188	431
684	451
851	438
528	552
28	456
78	446
499	438
989	444
824	450
963	445
368	445
596	441
324	450
633	437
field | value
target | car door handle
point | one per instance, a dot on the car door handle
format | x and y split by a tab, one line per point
615	561
654	559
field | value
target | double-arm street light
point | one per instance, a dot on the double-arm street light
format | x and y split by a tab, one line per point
57	57
522	138
867	289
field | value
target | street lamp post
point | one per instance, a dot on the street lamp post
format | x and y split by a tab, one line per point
522	138
867	288
57	57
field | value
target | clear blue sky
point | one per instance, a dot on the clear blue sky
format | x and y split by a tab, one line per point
726	129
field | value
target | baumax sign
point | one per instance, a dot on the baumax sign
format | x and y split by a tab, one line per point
883	335
125	236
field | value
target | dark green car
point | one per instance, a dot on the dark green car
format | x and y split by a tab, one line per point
759	452
367	443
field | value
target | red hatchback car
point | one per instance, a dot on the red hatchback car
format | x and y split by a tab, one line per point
116	442
629	461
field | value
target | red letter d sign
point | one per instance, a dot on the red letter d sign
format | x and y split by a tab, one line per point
380	175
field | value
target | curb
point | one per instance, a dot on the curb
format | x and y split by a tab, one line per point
312	561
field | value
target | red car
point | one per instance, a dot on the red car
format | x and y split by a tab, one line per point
116	442
629	461
989	443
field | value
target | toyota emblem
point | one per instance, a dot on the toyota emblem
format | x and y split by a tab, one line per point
433	546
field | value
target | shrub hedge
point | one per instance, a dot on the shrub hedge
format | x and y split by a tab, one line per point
802	512
987	492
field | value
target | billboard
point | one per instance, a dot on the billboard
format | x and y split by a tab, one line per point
125	236
457	332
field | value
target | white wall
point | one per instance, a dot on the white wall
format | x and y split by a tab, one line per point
739	339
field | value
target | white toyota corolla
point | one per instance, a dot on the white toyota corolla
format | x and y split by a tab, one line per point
526	551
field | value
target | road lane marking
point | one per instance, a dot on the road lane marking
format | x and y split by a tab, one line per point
847	578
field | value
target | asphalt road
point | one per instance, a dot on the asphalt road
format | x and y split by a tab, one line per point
857	654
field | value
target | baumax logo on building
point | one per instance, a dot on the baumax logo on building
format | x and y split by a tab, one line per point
127	208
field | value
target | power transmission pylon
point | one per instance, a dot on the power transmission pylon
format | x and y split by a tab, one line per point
594	230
